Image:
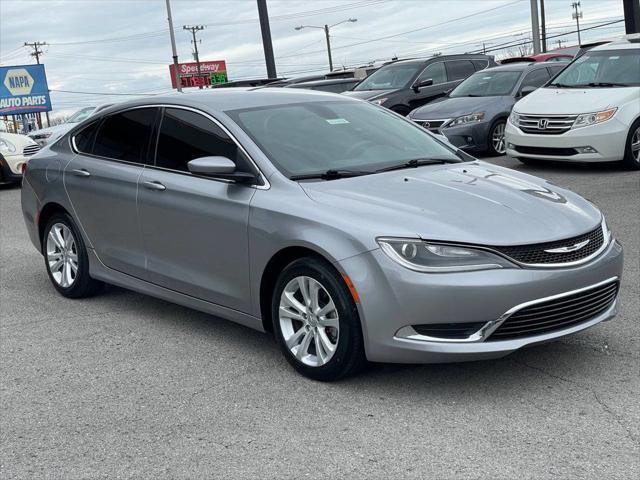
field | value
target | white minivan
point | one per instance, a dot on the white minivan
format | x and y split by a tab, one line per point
590	112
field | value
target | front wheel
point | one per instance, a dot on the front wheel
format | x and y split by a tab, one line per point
496	142
316	321
632	149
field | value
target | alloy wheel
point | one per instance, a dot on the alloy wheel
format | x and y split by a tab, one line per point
497	138
635	145
62	255
309	321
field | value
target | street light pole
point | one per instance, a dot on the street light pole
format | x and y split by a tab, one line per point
327	29
176	73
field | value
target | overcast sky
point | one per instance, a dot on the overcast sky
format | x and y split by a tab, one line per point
123	46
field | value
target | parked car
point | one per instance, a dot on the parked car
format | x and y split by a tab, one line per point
590	112
50	134
359	73
337	85
404	85
540	57
474	115
347	230
15	151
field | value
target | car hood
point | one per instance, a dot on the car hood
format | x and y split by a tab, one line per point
472	202
19	141
572	101
453	107
56	130
368	94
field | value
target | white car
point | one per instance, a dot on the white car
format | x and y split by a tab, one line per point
15	151
50	134
589	112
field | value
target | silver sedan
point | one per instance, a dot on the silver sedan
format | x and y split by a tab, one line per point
346	230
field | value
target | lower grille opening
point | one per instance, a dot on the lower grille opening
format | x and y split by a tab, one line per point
560	152
455	331
557	314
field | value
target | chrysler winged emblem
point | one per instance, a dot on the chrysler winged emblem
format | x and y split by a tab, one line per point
569	248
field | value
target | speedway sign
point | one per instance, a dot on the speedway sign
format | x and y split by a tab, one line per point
211	73
23	89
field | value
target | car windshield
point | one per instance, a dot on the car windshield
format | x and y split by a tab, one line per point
313	137
80	115
487	84
390	77
605	68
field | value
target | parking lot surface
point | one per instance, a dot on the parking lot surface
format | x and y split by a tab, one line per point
124	385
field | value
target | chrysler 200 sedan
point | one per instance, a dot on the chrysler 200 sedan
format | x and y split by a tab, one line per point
348	231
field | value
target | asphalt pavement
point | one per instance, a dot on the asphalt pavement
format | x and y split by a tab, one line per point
127	386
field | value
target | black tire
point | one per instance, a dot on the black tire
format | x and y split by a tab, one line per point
491	150
629	160
83	285
349	356
401	110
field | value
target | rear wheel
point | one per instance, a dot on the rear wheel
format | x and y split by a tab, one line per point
496	143
316	321
632	150
66	259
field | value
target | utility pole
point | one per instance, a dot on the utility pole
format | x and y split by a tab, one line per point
266	39
577	15
535	28
543	27
194	29
326	29
176	73
631	16
36	53
559	42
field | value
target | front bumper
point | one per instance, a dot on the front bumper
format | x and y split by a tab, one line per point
607	138
11	168
393	298
471	137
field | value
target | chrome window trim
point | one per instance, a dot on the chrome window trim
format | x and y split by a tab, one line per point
485	332
265	186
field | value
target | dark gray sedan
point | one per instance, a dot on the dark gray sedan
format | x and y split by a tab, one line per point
474	115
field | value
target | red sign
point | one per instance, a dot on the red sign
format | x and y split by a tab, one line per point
211	73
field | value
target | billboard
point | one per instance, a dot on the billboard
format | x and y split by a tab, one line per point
23	89
211	73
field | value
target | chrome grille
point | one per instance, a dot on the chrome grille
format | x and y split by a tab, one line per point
558	313
30	150
538	253
546	124
432	125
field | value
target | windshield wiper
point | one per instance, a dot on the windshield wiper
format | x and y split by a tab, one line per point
564	85
331	174
605	84
417	162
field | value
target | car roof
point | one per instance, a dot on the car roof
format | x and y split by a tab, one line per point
520	66
461	56
222	99
328	81
628	42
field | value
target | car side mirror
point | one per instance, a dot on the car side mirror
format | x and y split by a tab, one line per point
219	167
424	83
527	90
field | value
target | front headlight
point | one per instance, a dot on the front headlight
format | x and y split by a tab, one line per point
464	119
6	146
378	101
587	119
422	256
514	118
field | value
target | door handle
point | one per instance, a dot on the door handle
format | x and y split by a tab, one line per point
81	172
154	186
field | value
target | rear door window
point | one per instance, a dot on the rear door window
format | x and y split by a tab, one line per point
459	69
480	64
83	140
126	135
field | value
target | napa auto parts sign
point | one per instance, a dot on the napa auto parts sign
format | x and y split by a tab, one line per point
23	89
211	73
